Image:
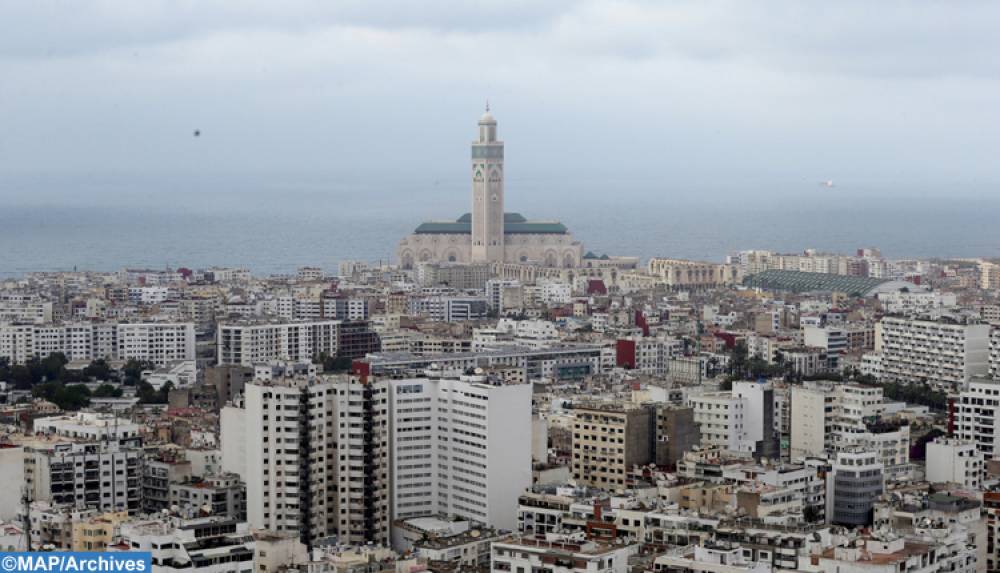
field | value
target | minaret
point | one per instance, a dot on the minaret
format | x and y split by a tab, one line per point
487	192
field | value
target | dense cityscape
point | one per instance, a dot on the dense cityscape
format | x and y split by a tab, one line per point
499	398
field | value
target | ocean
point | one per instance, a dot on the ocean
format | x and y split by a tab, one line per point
274	224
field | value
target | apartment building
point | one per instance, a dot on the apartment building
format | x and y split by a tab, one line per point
247	343
952	460
608	441
160	342
831	339
975	414
104	475
317	453
460	446
742	420
945	352
282	439
827	418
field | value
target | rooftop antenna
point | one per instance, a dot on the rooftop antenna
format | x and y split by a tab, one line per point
487	105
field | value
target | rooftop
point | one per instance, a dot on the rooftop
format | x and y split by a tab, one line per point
514	223
798	281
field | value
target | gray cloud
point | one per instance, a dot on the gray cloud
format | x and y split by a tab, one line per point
690	90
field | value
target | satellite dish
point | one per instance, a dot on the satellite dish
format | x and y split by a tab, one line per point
474	533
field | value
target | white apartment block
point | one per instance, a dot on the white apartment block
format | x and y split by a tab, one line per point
270	443
555	293
497	293
916	303
248	343
994	365
977	410
161	342
460	447
721	417
951	460
827	418
158	342
945	352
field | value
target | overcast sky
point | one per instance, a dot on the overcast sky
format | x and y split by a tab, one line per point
885	94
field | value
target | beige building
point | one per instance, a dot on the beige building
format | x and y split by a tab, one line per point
677	273
96	533
608	441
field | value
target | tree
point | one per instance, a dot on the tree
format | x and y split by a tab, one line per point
99	370
72	397
332	363
108	391
133	370
919	449
149	395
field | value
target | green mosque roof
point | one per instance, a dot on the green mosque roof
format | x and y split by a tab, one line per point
513	223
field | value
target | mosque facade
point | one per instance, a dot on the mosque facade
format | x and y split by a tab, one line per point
488	234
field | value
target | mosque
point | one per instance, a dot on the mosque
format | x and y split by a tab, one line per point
488	234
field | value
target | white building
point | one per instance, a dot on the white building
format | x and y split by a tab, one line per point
827	418
282	440
721	418
460	447
832	340
916	302
251	342
945	352
957	461
976	411
87	426
160	342
206	545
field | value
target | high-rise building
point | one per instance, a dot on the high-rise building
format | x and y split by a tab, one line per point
460	446
975	413
317	453
945	352
283	440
